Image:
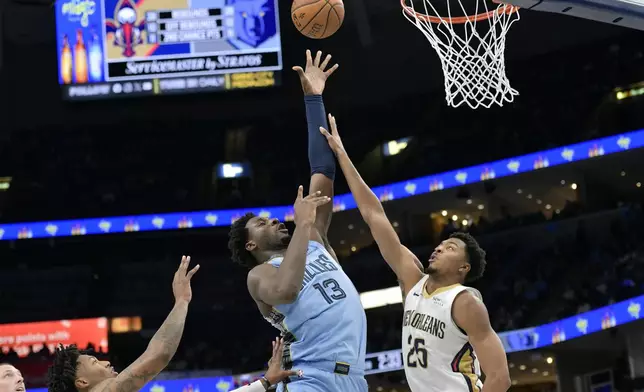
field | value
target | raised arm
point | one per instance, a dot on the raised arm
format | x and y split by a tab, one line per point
470	314
274	286
313	79
164	343
399	258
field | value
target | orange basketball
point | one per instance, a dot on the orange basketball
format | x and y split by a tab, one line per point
317	19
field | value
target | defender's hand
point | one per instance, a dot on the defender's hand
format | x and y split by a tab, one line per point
181	282
305	207
275	374
333	138
313	77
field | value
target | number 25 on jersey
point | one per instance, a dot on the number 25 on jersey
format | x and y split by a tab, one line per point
417	355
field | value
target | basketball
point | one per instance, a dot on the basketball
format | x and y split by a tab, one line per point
317	19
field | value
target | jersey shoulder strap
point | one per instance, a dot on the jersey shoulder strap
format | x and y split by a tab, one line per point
450	294
418	288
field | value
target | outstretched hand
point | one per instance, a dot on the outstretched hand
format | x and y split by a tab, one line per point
314	75
305	207
333	138
275	374
181	281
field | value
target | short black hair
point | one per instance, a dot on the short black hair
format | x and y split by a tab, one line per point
475	256
237	239
62	373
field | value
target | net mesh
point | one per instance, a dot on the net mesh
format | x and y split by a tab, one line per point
471	49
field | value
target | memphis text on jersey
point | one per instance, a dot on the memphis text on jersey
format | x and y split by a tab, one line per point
317	266
320	265
424	322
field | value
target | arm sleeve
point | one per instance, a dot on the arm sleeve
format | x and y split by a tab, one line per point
321	157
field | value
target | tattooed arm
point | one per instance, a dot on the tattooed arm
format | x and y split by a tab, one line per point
164	343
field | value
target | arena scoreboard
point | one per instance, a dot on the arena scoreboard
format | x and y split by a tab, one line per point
111	48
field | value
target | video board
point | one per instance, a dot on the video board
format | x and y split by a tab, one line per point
111	48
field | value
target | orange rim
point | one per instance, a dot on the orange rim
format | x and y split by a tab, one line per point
505	9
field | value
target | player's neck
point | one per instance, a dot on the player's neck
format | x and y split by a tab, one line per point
435	282
270	255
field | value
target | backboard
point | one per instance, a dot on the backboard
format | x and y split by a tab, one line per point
625	13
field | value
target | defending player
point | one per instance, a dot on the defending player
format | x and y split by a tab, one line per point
446	327
297	282
76	370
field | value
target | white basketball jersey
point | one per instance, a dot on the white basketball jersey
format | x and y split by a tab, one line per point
437	354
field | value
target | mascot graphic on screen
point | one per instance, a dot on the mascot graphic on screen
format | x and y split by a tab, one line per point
127	32
254	20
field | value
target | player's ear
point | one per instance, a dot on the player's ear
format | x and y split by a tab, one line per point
251	246
81	383
465	268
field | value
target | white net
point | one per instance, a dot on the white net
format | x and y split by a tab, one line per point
471	49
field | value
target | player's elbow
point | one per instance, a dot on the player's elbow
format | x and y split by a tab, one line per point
506	382
501	380
372	216
157	356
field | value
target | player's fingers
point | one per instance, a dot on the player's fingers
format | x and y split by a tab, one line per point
309	60
325	133
318	57
300	192
325	63
331	70
184	265
322	200
193	271
299	70
290	373
313	195
277	349
334	125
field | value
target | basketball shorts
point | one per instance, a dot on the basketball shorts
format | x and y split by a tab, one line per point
316	380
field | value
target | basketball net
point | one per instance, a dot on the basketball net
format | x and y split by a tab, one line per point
471	50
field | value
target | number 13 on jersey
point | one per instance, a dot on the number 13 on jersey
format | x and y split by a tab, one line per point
330	290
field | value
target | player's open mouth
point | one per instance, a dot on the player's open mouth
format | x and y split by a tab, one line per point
20	388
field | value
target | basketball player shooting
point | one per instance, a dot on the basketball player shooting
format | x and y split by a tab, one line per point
446	327
77	370
296	281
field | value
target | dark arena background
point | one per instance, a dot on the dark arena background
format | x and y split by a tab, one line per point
104	186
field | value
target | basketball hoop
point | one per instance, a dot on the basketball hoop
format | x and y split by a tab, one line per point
471	49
